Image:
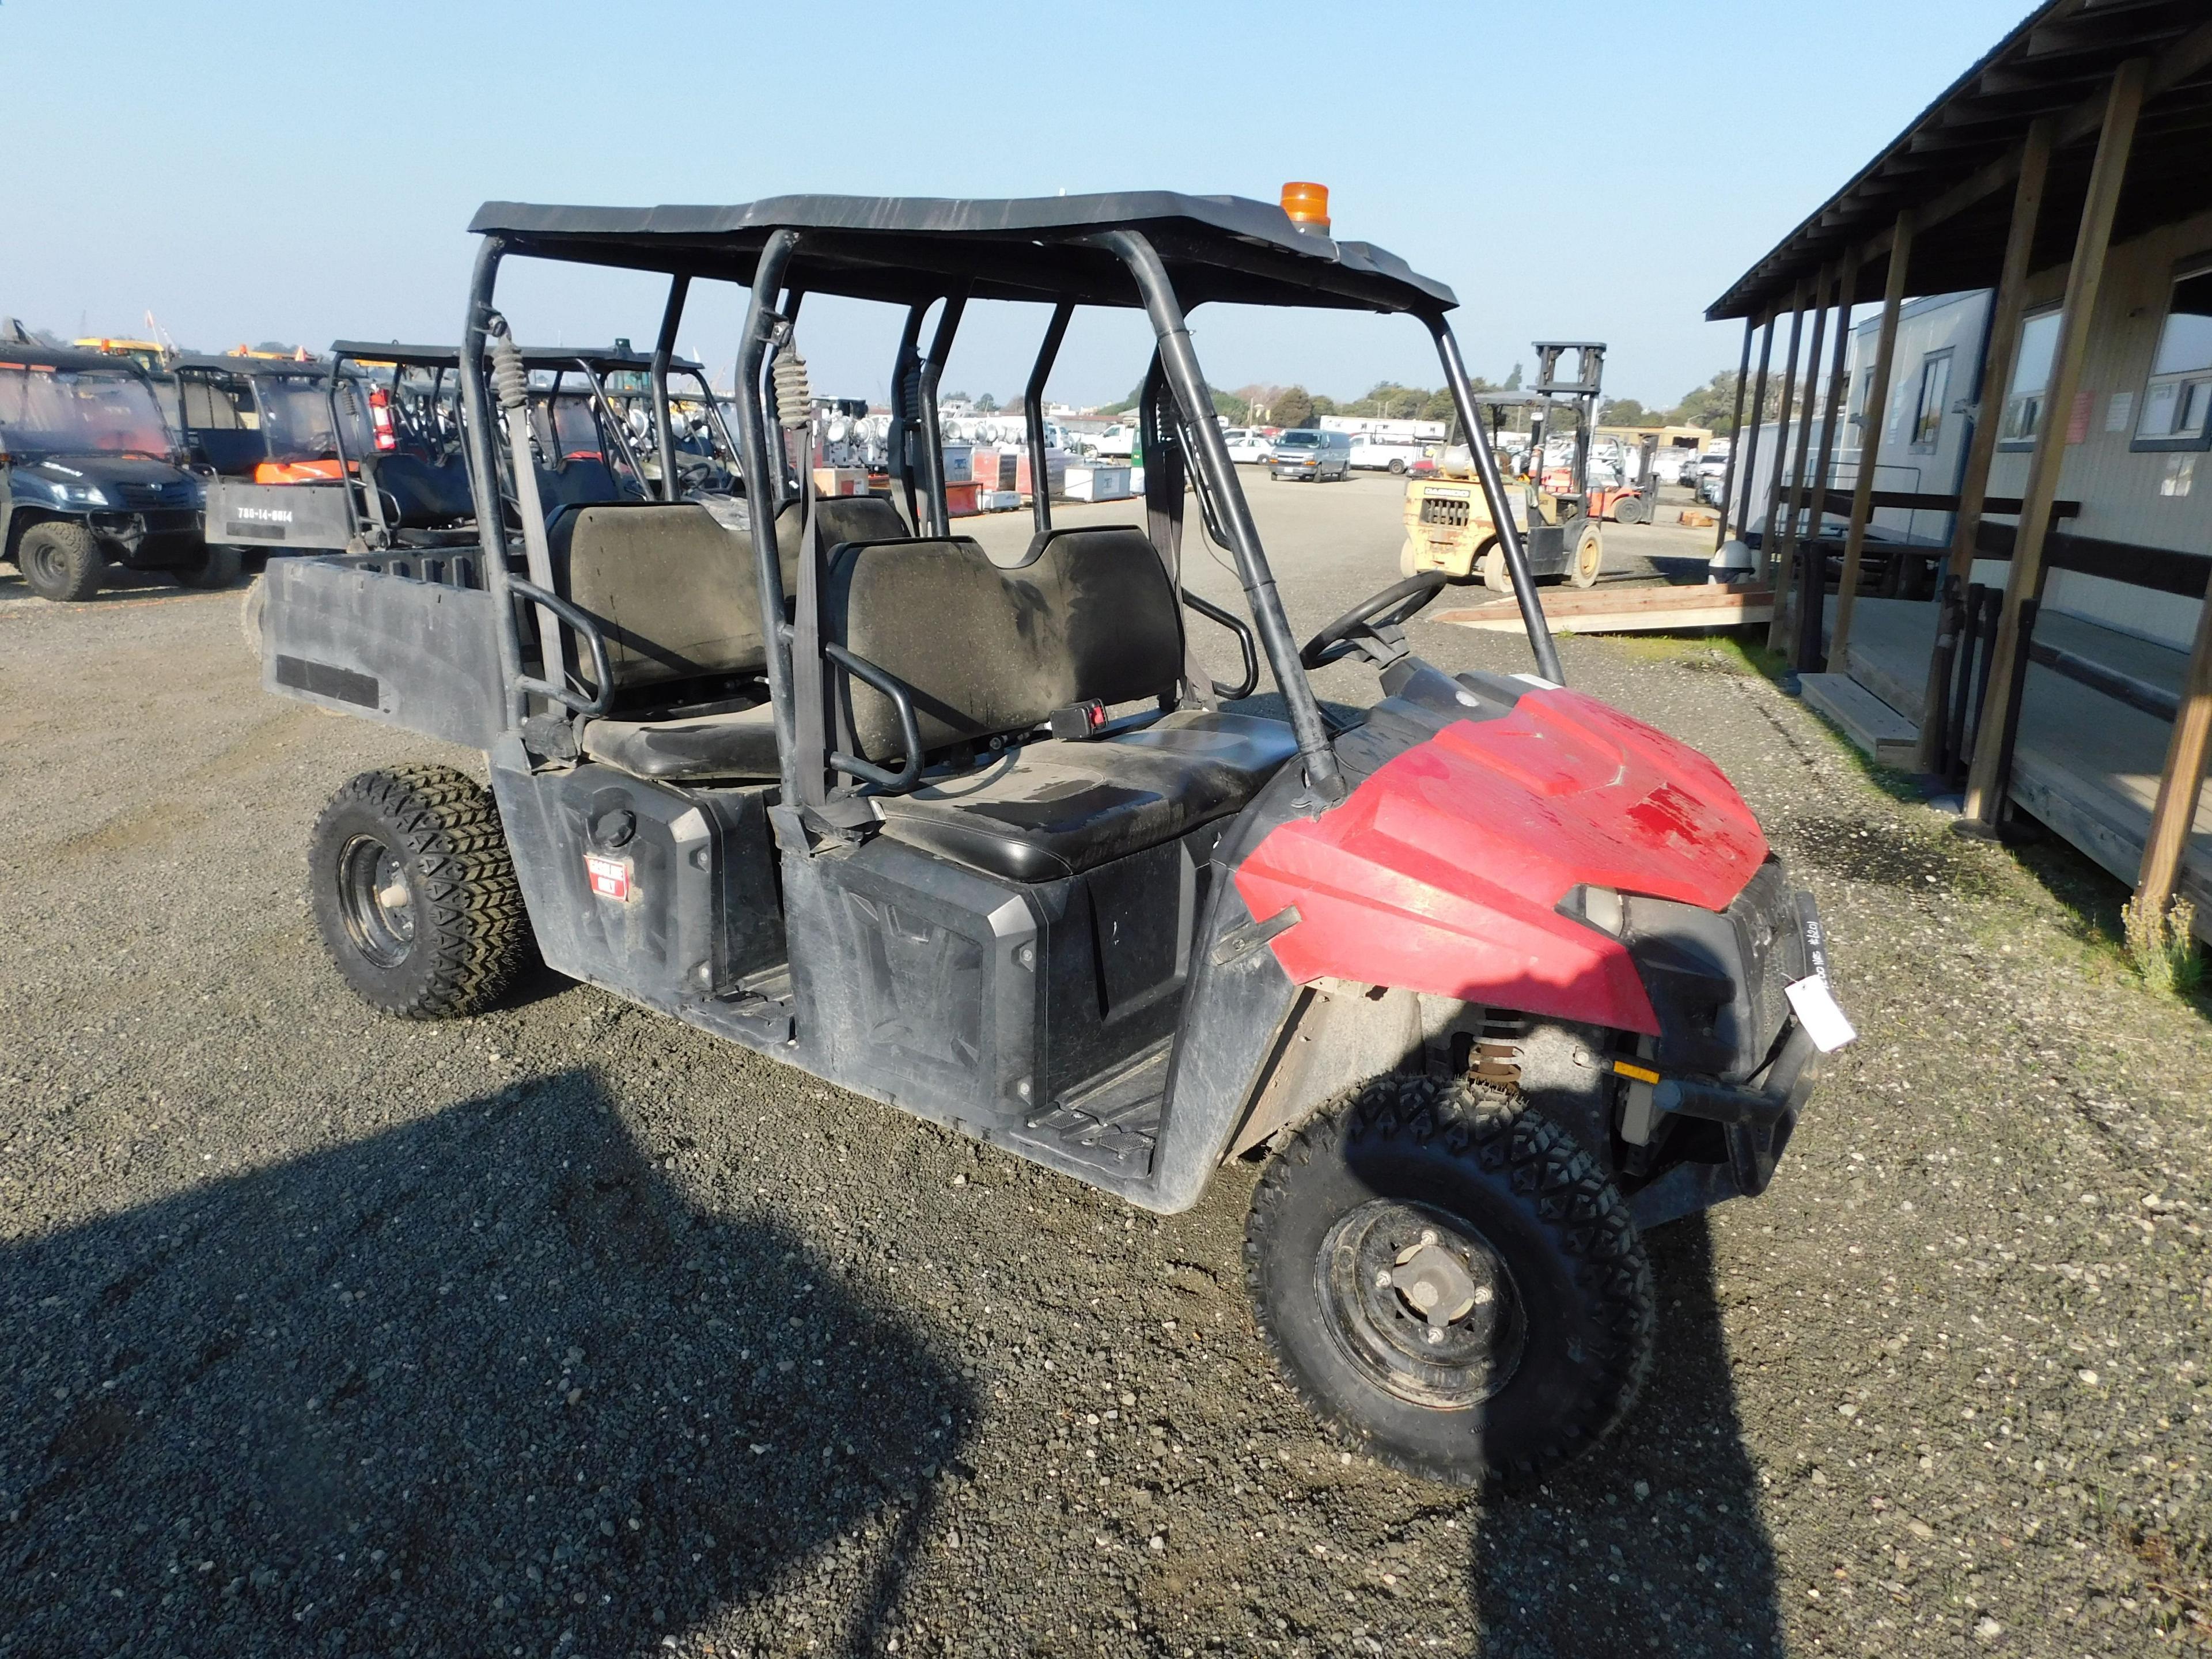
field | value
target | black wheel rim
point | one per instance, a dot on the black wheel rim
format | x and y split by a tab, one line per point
38	565
377	901
1421	1303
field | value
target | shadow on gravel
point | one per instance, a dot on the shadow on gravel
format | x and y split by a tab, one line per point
1586	1565
489	1384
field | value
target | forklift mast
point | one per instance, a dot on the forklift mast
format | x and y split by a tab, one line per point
1583	390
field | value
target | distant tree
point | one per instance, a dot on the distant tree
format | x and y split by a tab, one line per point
1626	412
1712	405
1293	406
987	404
1324	406
1512	381
1231	408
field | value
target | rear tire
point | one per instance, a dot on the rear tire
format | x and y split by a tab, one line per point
250	611
1630	509
219	566
60	561
1450	1282
1495	576
415	894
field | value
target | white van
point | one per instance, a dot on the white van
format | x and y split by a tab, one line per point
1383	451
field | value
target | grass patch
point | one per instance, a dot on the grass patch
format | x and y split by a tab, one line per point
2162	945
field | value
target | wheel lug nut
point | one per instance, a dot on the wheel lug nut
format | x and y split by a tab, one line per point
1436	1333
1383	1280
1428	1235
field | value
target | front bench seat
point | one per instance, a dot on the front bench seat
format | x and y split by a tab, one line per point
988	651
1050	809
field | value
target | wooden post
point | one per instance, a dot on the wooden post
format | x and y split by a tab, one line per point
1768	567
2006	306
2175	815
1750	467
1814	489
1736	441
2024	579
1785	551
1877	416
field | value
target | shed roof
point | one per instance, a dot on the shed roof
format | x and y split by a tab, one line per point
911	249
1954	164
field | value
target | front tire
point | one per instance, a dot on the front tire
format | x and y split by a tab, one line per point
60	561
415	894
1450	1282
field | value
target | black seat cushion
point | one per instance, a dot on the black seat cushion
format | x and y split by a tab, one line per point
1051	809
579	479
675	592
984	650
735	744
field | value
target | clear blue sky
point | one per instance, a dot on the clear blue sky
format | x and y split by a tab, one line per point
1588	170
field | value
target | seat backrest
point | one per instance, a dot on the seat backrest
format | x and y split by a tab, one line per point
1089	615
675	592
425	494
838	520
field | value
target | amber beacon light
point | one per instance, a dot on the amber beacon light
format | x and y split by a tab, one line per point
1307	204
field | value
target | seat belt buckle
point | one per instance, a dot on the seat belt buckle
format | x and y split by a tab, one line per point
1079	722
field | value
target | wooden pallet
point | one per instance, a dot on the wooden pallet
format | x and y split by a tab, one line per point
1623	609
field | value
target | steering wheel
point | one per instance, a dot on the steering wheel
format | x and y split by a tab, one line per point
1375	629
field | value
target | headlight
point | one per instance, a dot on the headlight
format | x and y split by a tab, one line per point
76	495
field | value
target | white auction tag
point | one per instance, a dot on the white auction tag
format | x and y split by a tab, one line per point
1824	1019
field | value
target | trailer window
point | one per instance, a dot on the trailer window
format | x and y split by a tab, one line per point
2179	395
1934	398
2031	378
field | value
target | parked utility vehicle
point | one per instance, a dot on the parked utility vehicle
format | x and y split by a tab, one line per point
1494	977
90	475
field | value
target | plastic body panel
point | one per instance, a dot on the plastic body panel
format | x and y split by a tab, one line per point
694	910
1442	872
355	634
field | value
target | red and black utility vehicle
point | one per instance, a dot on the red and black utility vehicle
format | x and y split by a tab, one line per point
1494	977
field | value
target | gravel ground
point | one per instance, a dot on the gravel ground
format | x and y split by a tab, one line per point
569	1331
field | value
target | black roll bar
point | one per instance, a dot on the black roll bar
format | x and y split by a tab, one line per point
1493	491
931	446
483	473
902	700
1033	414
586	627
1179	362
663	348
761	323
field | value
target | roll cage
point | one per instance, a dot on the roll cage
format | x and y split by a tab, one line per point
1161	251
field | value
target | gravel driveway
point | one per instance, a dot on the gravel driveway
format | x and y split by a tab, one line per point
569	1331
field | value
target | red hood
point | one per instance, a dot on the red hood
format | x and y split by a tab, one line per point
1442	872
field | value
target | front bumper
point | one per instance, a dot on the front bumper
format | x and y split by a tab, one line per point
1743	1064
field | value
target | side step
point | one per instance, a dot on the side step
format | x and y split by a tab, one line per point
1113	1123
1863	717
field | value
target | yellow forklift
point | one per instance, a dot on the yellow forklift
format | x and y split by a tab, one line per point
1449	525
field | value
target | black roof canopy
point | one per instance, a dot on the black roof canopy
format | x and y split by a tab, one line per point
318	368
1955	163
908	250
29	354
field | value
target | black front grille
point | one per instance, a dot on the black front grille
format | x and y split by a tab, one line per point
1448	511
1771	939
141	496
